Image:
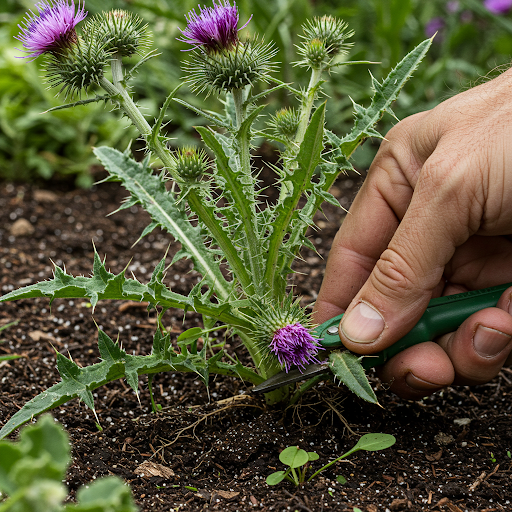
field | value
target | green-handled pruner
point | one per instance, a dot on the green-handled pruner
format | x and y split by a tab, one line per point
443	315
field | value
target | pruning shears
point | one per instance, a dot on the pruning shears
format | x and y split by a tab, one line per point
443	315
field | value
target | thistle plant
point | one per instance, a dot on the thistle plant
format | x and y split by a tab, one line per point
214	205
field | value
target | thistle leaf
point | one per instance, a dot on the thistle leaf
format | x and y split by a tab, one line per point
296	183
347	368
80	382
105	285
385	94
165	212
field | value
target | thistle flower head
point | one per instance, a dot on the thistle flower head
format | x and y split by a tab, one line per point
79	68
281	331
52	29
190	163
498	6
293	345
119	31
214	28
323	39
285	122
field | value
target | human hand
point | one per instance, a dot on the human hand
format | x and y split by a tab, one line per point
432	218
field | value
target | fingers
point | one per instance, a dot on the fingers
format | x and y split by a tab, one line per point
474	354
411	267
368	227
418	371
480	347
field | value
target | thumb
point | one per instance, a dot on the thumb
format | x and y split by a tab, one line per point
403	280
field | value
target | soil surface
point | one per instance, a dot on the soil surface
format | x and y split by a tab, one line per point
213	449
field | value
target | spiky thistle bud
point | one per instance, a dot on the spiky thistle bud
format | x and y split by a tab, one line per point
120	32
52	29
220	61
79	68
191	164
285	122
283	332
323	39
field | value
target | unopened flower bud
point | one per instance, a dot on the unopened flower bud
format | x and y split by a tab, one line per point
191	164
285	122
79	68
323	39
119	31
315	53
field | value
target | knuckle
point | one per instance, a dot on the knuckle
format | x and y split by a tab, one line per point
393	275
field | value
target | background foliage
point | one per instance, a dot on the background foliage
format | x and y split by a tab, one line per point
470	43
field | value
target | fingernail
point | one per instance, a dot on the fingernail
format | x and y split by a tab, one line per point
489	342
419	384
509	307
363	324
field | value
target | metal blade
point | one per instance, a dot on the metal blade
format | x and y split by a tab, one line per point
282	378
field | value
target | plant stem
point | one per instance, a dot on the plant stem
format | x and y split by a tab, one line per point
121	96
307	106
249	221
350	452
305	387
151	397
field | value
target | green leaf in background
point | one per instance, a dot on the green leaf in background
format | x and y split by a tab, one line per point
32	470
108	494
347	368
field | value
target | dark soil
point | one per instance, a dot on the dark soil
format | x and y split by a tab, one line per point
452	451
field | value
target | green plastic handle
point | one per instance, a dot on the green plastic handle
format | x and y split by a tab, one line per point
443	315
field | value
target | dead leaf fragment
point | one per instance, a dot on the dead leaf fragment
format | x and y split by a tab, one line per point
148	469
45	196
434	456
22	227
227	495
40	335
443	439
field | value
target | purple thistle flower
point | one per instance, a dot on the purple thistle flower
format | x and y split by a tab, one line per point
52	28
215	28
434	26
294	345
498	6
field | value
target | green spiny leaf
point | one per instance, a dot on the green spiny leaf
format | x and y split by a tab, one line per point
347	368
109	351
385	94
161	205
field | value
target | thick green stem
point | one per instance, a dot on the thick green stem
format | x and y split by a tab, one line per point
307	106
221	237
120	95
248	217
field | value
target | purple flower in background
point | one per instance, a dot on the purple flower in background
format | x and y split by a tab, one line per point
433	26
498	6
215	28
294	345
452	6
52	28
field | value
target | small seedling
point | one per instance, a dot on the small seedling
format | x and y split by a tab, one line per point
493	458
509	455
299	460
